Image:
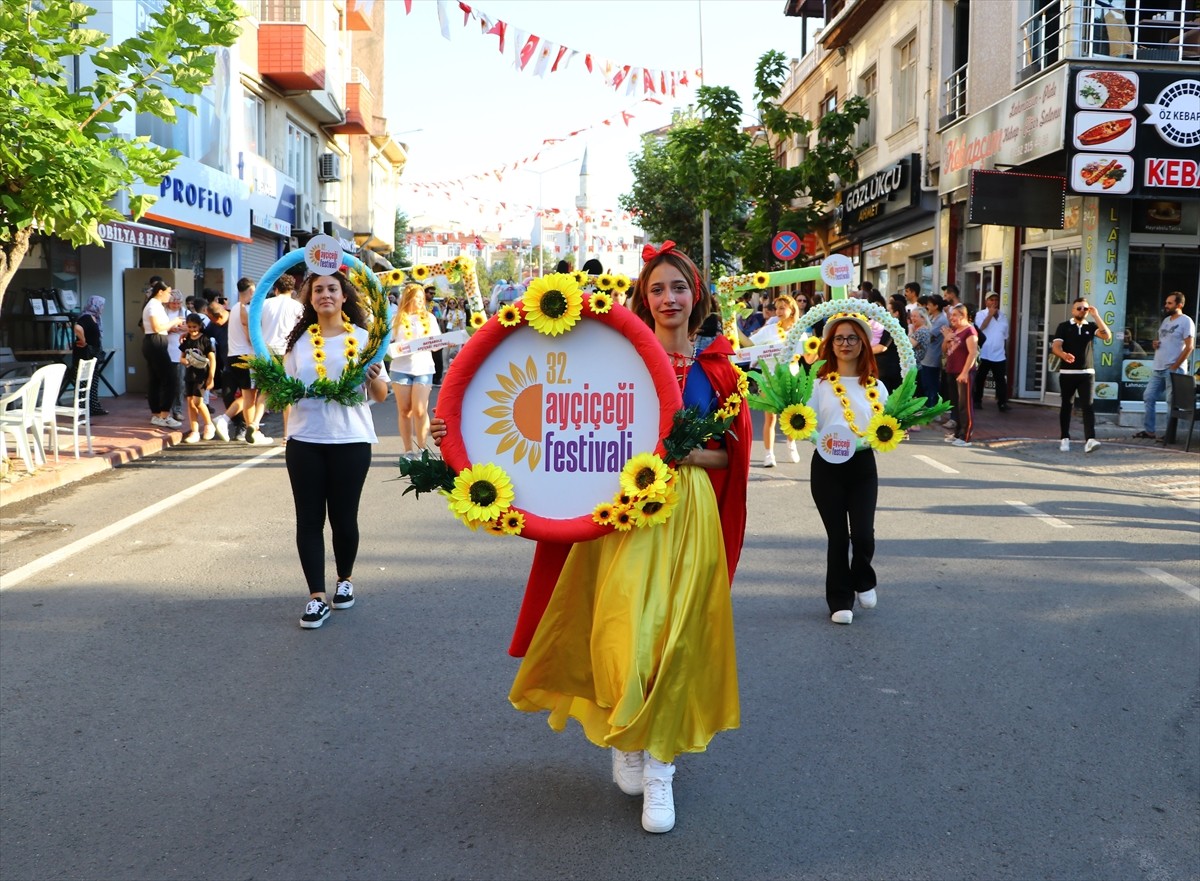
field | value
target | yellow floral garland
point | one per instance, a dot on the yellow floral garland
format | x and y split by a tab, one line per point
350	346
840	390
426	326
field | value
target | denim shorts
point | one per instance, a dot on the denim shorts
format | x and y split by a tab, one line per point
410	379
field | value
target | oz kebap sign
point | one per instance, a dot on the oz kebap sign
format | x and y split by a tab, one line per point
785	245
560	414
1134	133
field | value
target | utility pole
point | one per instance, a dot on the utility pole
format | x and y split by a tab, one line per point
704	216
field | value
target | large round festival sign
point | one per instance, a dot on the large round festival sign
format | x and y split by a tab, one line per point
560	414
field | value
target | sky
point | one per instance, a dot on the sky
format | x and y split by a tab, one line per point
462	108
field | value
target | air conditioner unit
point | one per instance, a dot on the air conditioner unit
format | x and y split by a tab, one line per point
329	167
304	212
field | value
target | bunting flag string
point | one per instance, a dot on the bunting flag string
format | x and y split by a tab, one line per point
552	57
622	116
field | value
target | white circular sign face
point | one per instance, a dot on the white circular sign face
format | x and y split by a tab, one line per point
837	445
323	255
561	415
837	270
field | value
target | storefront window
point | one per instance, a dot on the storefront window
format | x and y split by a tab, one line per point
1154	273
890	266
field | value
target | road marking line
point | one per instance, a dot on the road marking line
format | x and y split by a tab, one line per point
1171	581
12	579
936	464
1040	515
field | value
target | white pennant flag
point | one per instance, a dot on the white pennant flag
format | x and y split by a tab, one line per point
443	19
519	37
546	53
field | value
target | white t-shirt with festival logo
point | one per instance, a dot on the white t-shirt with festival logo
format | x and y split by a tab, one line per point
315	420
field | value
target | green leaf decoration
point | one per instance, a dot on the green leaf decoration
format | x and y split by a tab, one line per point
427	474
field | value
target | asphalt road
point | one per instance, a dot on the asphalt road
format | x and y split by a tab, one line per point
1024	703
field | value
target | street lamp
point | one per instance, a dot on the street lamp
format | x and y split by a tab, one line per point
539	214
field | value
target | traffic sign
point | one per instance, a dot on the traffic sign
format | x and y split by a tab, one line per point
785	245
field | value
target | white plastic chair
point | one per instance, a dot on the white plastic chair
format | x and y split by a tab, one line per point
18	419
47	406
80	411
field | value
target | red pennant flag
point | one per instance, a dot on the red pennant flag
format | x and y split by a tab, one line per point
621	74
562	50
683	78
466	12
672	84
607	122
587	59
626	117
647	80
407	7
662	82
498	29
528	49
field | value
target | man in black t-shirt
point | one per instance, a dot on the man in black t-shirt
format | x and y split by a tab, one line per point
1072	343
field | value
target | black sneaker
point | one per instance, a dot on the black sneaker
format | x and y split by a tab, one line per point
315	614
343	597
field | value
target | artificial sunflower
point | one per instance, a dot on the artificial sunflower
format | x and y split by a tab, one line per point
812	345
839	389
495	527
654	511
581	277
743	381
620	283
798	421
478	320
481	493
623	520
512	522
872	394
604	282
645	475
509	316
420	273
600	303
884	433
623	500
603	514
761	280
318	354
553	303
395	278
849	414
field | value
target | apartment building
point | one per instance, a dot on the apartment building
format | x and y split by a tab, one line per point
287	141
1100	98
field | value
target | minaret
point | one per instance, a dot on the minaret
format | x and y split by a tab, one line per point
581	202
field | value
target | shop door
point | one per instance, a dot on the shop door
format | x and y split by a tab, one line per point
1051	284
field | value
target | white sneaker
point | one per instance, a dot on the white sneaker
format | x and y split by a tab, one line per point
959	442
255	437
172	422
159	421
1092	444
867	599
949	439
221	425
627	771
1065	446
842	616
192	438
210	431
658	801
769	459
793	452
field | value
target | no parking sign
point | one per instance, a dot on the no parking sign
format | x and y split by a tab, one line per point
785	245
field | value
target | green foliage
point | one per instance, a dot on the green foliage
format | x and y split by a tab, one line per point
691	429
399	256
60	163
909	410
427	474
716	161
779	389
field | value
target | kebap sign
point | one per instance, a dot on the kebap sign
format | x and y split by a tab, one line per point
1134	133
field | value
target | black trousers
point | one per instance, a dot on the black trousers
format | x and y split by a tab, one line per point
1070	385
326	478
999	372
161	373
845	496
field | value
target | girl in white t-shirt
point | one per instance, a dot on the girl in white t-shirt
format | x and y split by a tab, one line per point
786	314
412	373
329	444
161	372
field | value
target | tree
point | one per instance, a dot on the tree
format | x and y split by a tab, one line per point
61	163
399	255
719	163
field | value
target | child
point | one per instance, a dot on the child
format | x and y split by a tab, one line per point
199	359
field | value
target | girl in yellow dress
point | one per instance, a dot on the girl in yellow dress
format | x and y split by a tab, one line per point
637	641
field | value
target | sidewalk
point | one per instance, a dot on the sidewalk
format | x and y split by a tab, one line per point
126	434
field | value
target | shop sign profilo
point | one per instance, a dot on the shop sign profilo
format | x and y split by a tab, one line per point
1134	133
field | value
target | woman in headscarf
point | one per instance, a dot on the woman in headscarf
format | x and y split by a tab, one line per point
88	345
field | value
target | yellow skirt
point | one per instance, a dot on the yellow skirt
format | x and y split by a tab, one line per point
637	640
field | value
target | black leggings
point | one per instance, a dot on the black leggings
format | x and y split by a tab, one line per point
845	496
161	374
327	477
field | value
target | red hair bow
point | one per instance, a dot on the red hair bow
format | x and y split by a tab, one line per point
649	252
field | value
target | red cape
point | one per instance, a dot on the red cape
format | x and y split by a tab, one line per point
729	485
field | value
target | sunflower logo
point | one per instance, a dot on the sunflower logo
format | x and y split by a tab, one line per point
481	493
518	414
600	303
884	433
798	421
553	303
509	316
827	443
645	475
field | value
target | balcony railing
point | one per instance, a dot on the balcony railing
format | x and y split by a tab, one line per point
281	11
1144	30
954	97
